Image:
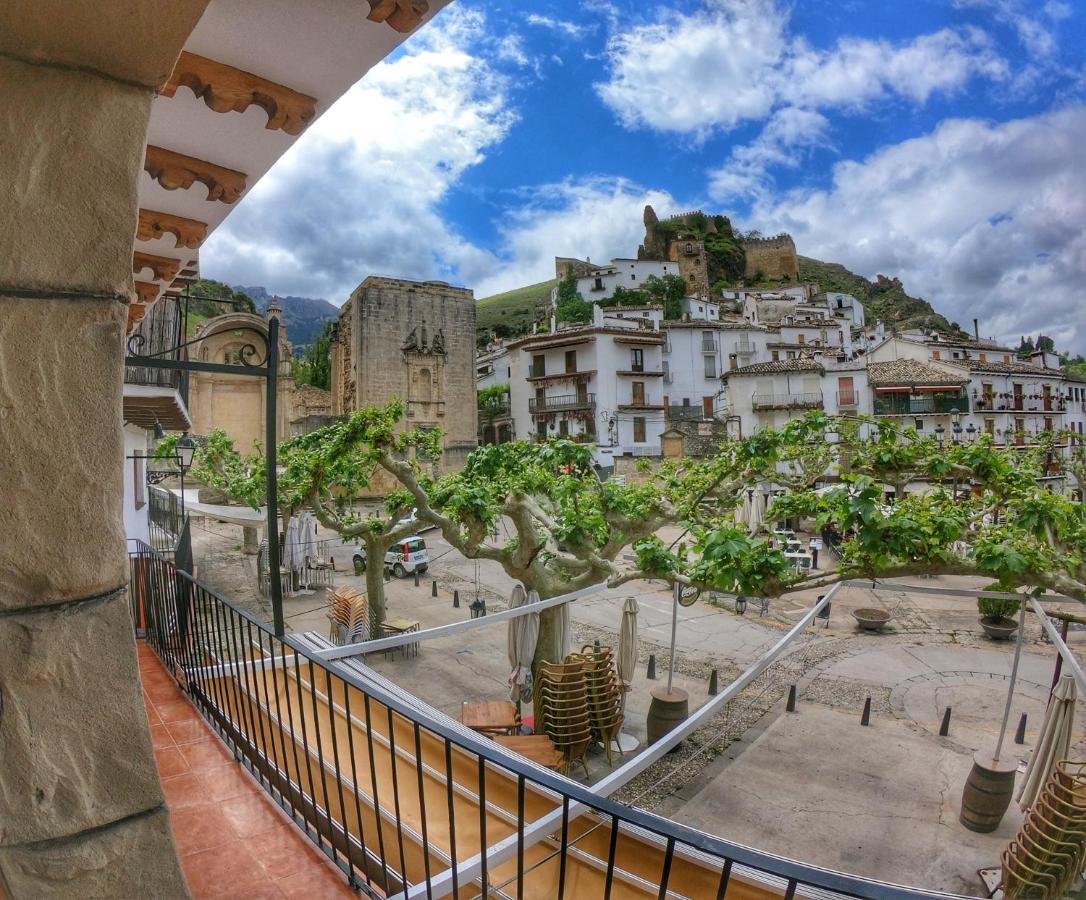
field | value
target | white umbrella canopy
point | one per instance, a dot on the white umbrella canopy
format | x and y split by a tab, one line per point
1053	741
522	637
741	515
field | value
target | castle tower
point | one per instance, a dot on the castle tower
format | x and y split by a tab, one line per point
775	257
689	253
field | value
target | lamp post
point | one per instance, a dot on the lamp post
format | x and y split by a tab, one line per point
185	450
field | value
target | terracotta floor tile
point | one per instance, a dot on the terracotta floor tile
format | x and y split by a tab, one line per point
200	827
186	790
153	717
206	754
228	870
163	693
177	710
282	854
227	781
160	737
316	881
188	731
170	762
251	814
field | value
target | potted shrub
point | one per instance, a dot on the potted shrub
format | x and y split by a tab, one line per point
997	617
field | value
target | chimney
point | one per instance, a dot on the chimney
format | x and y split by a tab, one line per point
976	330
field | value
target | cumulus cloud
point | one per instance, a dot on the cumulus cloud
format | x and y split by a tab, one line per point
596	217
361	191
1033	23
982	219
737	61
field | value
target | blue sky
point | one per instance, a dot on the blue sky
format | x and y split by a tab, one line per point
940	141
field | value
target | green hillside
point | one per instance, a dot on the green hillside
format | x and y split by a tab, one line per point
512	312
883	299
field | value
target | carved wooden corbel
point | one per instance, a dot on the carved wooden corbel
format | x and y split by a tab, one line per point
224	88
175	170
187	232
400	15
146	292
163	267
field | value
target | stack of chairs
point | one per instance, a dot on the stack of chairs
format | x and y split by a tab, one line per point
348	616
604	694
561	702
1049	852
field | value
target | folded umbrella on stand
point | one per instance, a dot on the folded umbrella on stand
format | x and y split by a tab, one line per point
627	665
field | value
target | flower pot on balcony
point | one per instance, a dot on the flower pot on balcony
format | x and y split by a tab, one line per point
998	629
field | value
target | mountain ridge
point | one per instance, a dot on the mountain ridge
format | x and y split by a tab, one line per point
303	316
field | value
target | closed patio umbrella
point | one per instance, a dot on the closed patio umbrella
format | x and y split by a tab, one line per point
522	637
1053	741
627	663
561	629
757	513
741	515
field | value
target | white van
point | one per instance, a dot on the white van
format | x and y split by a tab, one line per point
406	557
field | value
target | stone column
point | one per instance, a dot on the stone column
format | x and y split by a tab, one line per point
82	812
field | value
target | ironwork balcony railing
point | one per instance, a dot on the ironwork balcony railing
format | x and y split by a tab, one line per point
494	409
165	519
808	400
708	344
403	799
561	402
919	404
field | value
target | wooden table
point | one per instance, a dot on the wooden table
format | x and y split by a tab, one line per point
490	717
538	748
391	627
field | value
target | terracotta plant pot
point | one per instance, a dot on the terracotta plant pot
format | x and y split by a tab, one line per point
998	629
871	619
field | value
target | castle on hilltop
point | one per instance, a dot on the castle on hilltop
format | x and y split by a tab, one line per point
681	239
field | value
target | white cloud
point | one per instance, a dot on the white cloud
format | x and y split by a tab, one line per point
360	192
571	29
784	141
737	61
600	218
1034	24
984	220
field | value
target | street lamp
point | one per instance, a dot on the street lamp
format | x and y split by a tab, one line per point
940	431
186	450
971	431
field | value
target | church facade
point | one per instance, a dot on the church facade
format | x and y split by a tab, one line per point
413	341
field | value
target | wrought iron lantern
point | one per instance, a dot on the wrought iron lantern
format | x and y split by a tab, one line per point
186	450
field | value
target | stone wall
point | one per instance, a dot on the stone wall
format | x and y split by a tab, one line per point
775	256
413	341
82	813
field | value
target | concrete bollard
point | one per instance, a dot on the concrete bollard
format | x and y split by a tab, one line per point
416	577
790	706
1020	734
944	729
714	685
651	674
456	599
865	719
433	588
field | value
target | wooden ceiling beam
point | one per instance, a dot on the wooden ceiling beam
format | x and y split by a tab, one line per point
224	89
187	233
163	267
399	15
175	170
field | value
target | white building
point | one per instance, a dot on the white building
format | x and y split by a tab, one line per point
632	274
597	383
697	353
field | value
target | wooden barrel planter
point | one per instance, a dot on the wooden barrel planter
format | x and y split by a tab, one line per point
987	794
666	712
870	619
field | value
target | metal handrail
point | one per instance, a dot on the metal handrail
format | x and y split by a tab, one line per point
190	625
561	402
778	401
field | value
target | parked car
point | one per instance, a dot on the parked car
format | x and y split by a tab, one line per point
407	557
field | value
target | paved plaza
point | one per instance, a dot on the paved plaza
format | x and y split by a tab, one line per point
815	785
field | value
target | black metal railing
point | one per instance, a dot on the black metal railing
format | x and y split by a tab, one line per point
807	400
161	331
561	402
400	798
165	519
920	404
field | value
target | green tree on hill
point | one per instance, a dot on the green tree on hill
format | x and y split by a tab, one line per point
314	366
571	306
